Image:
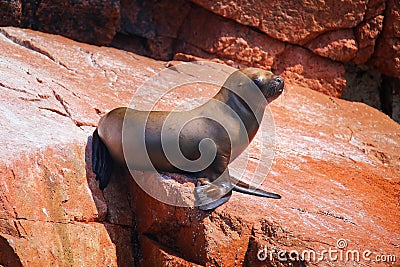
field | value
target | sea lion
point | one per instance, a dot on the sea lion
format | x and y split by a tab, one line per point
224	125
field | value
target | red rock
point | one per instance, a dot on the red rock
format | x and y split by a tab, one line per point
299	66
296	65
296	22
387	51
53	213
337	45
336	166
325	27
240	46
366	34
375	8
230	41
237	33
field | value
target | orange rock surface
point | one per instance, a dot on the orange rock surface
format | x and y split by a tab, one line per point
336	165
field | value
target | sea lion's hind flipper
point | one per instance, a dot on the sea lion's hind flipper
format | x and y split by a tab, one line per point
255	192
101	161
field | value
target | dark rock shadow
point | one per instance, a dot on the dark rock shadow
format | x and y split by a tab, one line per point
180	234
8	257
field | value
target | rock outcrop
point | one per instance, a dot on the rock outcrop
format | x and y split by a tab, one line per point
323	38
239	33
336	166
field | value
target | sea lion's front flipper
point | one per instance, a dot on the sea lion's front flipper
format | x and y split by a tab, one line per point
216	203
209	195
101	161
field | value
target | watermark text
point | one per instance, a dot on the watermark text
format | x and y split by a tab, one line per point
339	253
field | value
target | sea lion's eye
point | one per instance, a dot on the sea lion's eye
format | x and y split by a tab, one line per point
258	80
279	79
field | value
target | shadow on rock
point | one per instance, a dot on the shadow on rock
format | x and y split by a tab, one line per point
8	257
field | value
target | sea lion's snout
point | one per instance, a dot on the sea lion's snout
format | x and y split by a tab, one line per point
280	84
273	88
269	84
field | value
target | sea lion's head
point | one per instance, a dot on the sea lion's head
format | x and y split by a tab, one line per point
269	84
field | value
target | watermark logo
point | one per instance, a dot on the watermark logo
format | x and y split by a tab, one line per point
139	125
339	253
341	243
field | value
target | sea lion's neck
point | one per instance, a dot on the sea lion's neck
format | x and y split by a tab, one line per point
250	116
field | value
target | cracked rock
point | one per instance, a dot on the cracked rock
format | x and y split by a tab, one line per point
336	165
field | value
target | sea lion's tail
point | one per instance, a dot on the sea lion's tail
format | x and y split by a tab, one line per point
101	161
255	192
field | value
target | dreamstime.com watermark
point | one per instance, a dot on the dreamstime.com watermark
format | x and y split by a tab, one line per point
338	254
